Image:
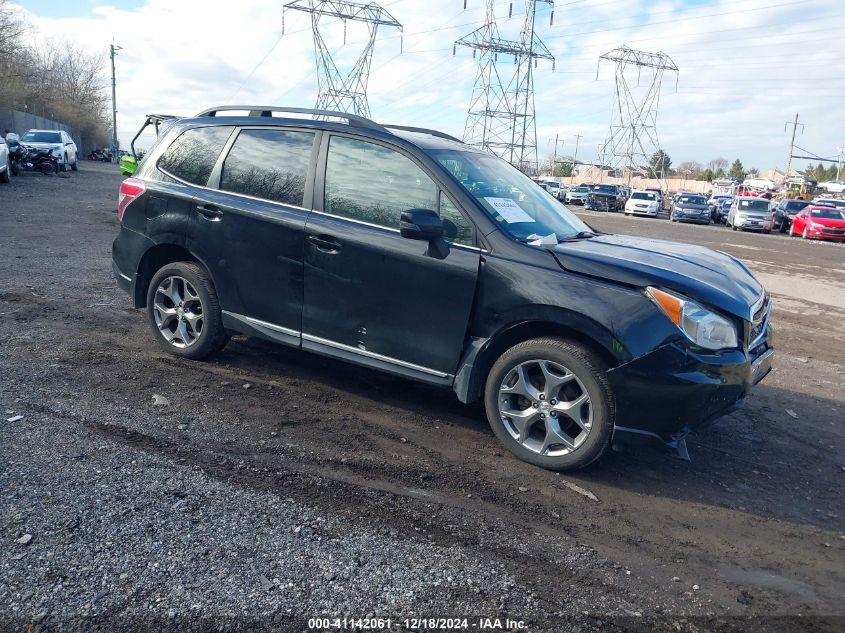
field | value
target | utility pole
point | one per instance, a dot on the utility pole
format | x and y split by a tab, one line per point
113	50
554	158
794	125
841	151
574	159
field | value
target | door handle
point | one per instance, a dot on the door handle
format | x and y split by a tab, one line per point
209	211
325	243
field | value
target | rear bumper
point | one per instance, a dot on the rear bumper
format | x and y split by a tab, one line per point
671	391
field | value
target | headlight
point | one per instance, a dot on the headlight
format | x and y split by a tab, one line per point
56	151
700	325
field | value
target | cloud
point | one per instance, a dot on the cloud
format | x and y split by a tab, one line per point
746	66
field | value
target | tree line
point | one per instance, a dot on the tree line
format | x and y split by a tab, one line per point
58	81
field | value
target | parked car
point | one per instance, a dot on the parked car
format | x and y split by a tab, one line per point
690	208
818	222
643	203
58	142
829	202
603	198
5	166
715	203
785	211
577	195
749	213
724	209
554	188
832	186
365	243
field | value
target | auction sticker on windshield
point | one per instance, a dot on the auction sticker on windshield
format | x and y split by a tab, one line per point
510	211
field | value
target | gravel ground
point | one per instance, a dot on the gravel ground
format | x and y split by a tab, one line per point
270	486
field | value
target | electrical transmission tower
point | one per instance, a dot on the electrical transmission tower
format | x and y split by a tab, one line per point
501	111
633	128
335	91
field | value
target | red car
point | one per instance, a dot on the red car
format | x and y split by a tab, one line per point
815	221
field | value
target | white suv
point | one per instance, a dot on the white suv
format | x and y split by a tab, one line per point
58	142
643	203
5	170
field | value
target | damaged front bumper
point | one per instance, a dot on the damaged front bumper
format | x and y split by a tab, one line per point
665	394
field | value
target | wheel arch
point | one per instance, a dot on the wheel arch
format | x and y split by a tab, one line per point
155	258
482	353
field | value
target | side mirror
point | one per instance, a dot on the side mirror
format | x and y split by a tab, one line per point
420	224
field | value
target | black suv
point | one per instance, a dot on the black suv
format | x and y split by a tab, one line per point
407	251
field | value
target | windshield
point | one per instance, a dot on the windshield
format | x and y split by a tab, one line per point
692	200
605	189
511	198
42	137
640	195
830	214
756	205
581	189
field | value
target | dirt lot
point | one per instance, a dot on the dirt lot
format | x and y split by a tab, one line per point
274	486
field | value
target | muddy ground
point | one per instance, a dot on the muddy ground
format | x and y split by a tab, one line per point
277	486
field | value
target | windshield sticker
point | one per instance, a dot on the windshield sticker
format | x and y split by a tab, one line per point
510	211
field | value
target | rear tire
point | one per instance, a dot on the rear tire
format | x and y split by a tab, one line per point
577	376
184	311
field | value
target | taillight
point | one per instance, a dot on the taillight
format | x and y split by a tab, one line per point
130	189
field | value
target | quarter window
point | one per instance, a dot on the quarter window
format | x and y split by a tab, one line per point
372	183
269	164
191	157
456	228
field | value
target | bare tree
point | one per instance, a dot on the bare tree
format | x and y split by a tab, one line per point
690	169
718	164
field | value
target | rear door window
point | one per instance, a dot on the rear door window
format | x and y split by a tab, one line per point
269	164
191	157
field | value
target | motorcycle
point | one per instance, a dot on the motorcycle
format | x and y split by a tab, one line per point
27	158
103	156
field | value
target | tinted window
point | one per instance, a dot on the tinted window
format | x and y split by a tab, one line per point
374	184
269	164
192	155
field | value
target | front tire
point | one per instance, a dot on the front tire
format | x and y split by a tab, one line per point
75	164
791	230
548	401
184	311
4	175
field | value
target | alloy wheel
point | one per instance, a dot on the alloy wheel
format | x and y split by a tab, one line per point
545	407
178	312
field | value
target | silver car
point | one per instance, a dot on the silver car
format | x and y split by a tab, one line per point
577	195
751	214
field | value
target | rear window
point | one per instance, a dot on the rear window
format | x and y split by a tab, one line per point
191	157
639	195
269	164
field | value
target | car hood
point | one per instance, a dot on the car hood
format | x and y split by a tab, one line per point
42	145
700	273
691	207
831	222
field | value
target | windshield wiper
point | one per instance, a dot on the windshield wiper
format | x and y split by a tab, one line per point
582	235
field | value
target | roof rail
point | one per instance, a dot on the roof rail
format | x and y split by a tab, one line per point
266	111
423	130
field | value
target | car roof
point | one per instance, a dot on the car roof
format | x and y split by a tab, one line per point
34	130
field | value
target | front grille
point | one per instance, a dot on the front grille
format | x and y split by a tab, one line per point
833	231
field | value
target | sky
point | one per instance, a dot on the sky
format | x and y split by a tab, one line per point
746	66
